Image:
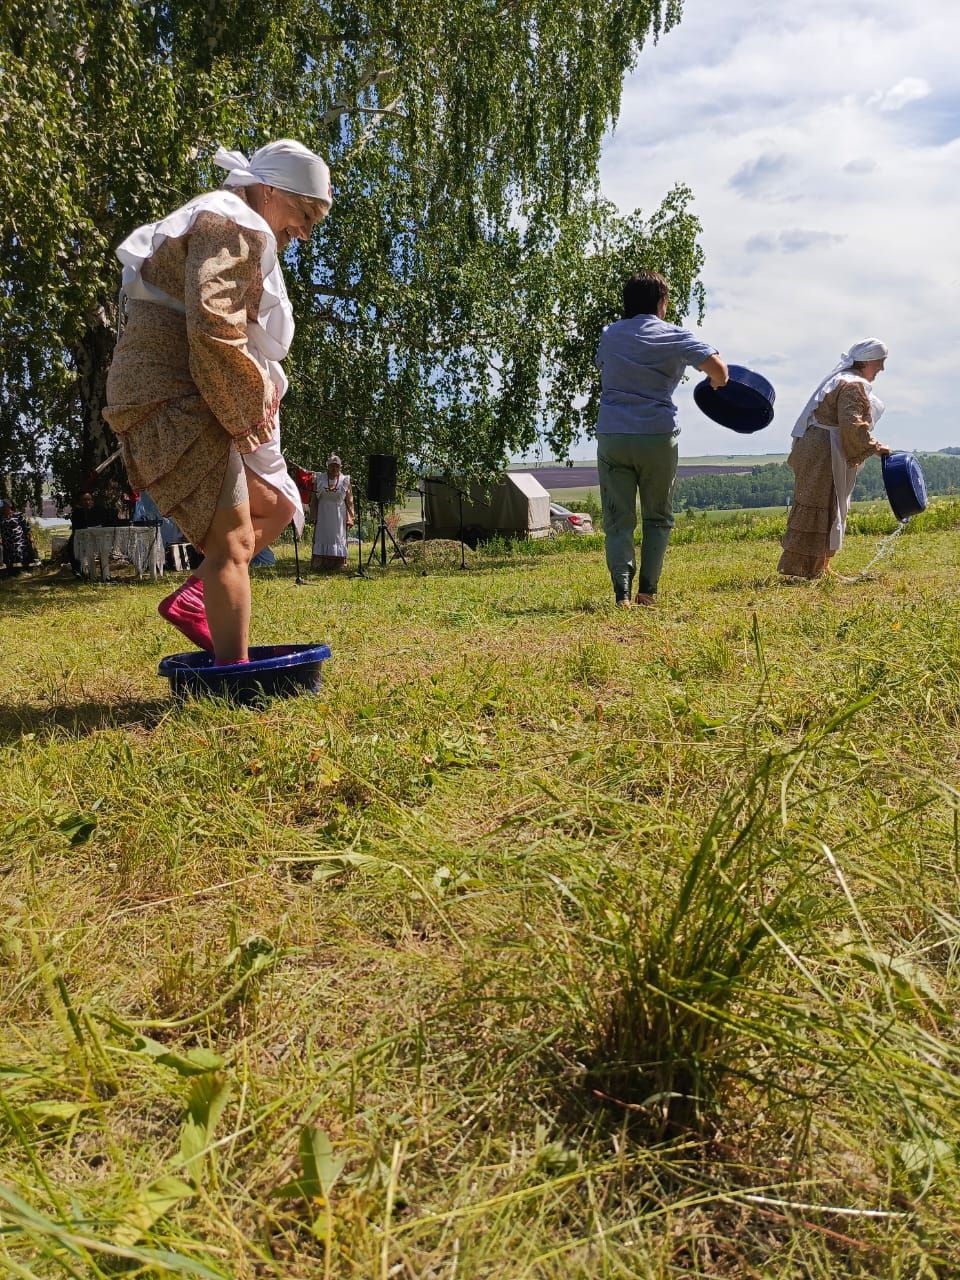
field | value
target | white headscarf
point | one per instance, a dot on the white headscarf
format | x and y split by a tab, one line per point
285	164
868	349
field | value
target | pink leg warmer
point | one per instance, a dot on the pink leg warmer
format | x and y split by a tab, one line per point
184	609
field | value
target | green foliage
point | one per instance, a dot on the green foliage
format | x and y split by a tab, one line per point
448	309
771	485
209	1094
738	526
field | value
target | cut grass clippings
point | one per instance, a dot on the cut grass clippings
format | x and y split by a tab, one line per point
549	941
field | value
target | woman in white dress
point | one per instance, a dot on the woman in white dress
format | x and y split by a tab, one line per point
331	507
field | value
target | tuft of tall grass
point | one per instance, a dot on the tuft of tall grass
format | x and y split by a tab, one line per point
739	972
656	978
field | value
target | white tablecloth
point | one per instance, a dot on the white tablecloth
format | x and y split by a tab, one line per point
142	545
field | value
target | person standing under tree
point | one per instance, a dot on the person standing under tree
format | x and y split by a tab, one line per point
641	360
16	542
331	509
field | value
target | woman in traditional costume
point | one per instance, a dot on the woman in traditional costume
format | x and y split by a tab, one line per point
832	439
331	508
196	382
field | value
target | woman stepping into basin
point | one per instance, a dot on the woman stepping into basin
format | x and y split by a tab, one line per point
196	381
832	439
641	360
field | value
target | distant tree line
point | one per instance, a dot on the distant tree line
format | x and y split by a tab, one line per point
772	485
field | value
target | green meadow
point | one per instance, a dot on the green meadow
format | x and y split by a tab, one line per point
550	940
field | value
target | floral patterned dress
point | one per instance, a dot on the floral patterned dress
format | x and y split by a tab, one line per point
195	373
847	411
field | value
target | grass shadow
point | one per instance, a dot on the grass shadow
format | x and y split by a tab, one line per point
551	610
54	583
79	719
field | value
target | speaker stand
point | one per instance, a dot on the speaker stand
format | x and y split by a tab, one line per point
360	570
382	533
423	529
296	553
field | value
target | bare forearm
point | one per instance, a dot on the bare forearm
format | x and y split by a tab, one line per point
716	371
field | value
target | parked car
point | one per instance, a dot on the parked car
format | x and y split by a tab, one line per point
565	521
410	531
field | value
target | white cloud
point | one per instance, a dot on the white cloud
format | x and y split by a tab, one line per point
828	206
762	176
860	165
792	240
905	91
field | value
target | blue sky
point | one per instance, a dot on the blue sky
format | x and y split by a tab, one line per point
822	144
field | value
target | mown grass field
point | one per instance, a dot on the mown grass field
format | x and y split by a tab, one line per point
550	941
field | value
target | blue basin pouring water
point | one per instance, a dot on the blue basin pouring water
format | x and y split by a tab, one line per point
274	671
745	404
905	485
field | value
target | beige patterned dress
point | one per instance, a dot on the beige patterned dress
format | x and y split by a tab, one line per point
183	389
806	543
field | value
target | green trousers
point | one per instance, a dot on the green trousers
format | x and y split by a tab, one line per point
630	465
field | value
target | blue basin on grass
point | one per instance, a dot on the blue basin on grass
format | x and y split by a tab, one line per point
274	671
745	404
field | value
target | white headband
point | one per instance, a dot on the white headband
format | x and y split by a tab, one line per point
868	349
285	164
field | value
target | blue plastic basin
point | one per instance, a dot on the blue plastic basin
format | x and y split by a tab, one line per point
274	671
745	404
905	485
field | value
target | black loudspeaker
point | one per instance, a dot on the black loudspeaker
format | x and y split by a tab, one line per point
382	477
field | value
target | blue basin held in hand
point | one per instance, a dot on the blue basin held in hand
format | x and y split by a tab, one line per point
745	404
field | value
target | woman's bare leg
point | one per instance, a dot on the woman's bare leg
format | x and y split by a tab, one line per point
269	516
269	511
233	539
228	550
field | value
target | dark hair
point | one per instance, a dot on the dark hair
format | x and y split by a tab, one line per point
643	293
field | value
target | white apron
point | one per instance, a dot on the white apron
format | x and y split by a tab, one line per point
268	337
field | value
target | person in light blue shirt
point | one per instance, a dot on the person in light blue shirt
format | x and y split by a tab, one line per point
641	360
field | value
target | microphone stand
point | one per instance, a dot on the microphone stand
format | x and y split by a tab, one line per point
461	494
361	573
296	554
463	550
421	488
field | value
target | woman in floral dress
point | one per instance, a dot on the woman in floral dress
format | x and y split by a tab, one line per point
196	381
832	439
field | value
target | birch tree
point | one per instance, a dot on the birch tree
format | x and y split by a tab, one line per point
447	309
